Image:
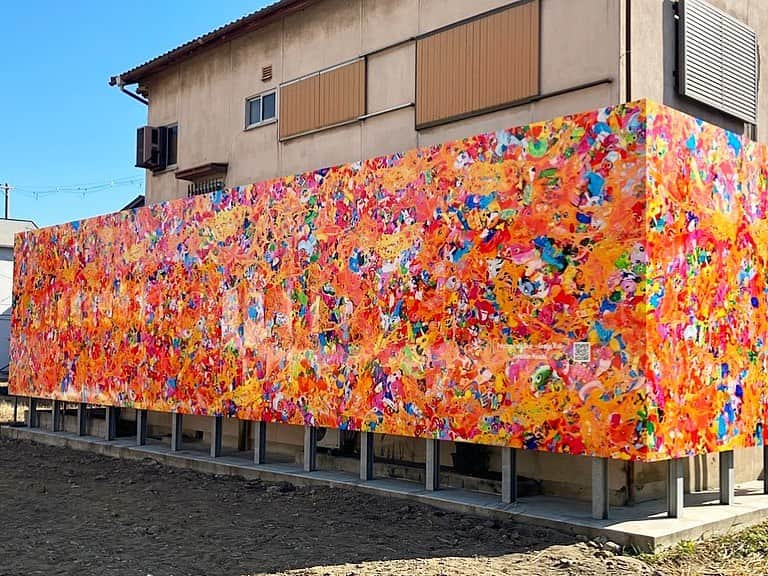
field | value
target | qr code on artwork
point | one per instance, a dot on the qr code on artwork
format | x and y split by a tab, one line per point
582	352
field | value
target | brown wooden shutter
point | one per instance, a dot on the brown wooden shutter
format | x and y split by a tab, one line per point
323	99
342	93
299	106
480	65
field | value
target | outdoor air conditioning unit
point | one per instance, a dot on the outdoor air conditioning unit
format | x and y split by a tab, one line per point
150	148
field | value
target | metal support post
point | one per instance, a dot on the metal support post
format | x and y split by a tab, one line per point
176	432
433	465
765	466
217	425
260	443
141	427
56	420
366	455
600	494
508	475
32	417
243	431
82	419
727	485
310	448
675	496
110	423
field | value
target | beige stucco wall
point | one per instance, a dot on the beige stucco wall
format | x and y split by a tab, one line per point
653	57
580	43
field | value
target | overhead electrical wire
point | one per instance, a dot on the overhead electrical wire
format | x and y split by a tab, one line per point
84	189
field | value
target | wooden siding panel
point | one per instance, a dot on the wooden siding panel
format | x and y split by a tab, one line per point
482	64
342	93
299	106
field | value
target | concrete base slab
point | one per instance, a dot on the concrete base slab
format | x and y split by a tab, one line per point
644	526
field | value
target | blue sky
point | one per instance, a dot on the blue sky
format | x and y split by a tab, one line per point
61	123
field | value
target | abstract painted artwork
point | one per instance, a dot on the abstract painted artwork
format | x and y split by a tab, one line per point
594	284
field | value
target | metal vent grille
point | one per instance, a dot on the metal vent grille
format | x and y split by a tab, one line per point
266	73
719	61
205	186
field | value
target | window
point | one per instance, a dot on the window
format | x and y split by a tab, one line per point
260	109
171	144
484	64
719	60
323	99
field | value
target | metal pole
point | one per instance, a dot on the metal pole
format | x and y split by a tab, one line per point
675	484
727	483
508	475
7	191
600	493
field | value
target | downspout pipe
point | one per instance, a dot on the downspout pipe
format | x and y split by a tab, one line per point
628	51
118	81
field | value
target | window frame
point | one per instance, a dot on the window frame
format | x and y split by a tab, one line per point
261	122
169	165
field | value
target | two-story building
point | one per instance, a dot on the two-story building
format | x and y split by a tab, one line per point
303	84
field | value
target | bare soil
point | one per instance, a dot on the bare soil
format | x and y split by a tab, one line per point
69	512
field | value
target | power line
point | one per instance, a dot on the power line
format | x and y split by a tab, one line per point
37	191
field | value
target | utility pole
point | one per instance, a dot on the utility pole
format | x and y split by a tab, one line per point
7	192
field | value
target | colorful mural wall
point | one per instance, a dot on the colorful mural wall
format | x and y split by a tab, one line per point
594	285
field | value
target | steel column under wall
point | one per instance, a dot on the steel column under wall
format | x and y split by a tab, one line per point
765	464
508	475
176	432
56	415
600	494
110	423
243	431
141	427
310	448
82	419
433	465
727	484
260	443
675	483
217	429
366	455
32	416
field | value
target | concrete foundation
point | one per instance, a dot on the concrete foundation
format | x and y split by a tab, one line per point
643	526
538	473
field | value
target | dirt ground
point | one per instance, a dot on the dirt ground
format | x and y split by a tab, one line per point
69	512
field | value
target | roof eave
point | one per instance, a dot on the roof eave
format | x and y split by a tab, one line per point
226	33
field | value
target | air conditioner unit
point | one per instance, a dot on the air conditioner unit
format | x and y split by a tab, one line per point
150	147
329	438
337	440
